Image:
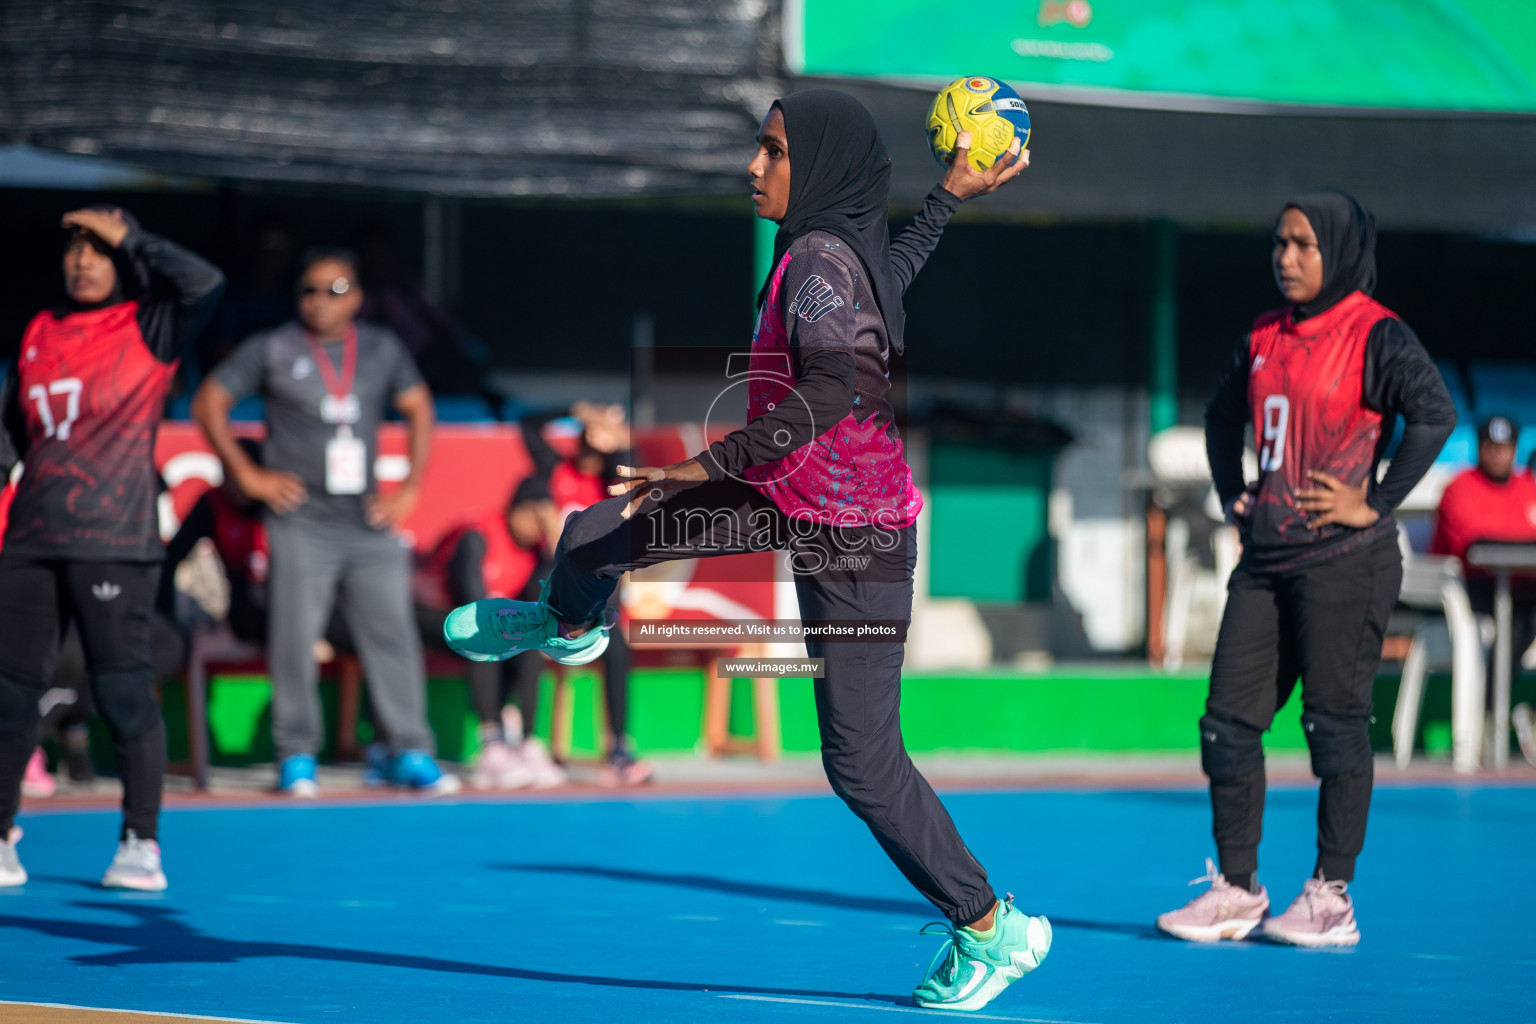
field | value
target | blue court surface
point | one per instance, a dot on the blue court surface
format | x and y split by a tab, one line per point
776	908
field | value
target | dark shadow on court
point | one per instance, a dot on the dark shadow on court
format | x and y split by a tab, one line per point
157	936
816	897
79	883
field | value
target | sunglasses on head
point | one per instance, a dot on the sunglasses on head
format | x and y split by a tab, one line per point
338	287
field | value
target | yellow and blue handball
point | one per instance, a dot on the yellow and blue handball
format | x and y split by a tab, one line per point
990	110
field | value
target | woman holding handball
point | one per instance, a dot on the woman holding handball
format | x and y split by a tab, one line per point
818	471
1320	571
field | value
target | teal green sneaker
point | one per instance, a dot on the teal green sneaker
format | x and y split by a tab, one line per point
495	629
967	973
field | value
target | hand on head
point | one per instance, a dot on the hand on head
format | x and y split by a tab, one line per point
108	225
603	426
90	276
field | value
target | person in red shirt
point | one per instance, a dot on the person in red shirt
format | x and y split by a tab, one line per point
575	484
1317	379
1493	501
82	404
503	553
506	555
1490	501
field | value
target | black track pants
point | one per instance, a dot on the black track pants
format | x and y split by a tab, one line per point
856	575
112	604
1323	623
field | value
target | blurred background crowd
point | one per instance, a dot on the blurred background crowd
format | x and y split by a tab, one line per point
546	202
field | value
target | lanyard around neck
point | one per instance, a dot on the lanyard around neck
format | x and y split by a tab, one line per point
339	386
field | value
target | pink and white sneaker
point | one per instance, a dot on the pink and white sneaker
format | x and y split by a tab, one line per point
1221	912
37	782
498	766
1323	915
540	764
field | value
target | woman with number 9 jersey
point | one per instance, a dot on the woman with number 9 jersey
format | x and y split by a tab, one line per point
1322	381
82	404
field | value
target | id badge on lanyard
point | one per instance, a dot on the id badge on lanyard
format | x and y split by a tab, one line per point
346	456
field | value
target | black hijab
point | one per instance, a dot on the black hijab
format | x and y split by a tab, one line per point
1346	239
132	272
840	182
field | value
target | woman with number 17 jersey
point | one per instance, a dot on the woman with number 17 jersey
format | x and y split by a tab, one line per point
1321	381
82	404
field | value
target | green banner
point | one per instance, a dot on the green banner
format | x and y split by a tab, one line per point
1475	55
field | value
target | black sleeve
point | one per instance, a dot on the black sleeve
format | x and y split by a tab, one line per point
197	525
184	291
821	353
466	568
13	439
544	457
910	249
1401	379
1225	416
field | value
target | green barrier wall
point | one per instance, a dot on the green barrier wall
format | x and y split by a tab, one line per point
1106	711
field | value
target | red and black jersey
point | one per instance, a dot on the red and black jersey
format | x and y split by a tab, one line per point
83	403
1321	395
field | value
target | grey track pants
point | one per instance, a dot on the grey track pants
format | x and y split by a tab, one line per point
855	575
315	564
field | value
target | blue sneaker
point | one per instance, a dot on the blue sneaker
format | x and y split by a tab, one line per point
496	629
378	766
967	973
296	776
415	769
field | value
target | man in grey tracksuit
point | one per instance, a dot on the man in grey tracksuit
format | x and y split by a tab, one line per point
326	380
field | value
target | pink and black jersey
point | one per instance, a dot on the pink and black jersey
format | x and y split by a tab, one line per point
1321	395
821	439
83	403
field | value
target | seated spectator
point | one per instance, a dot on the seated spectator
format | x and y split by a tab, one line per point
1492	502
326	380
505	553
575	483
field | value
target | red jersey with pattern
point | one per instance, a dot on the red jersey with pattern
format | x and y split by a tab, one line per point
573	490
1306	387
92	394
240	536
506	570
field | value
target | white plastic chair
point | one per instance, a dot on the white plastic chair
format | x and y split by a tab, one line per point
1177	458
1434	583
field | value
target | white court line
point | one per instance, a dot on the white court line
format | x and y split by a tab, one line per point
140	1013
897	1009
